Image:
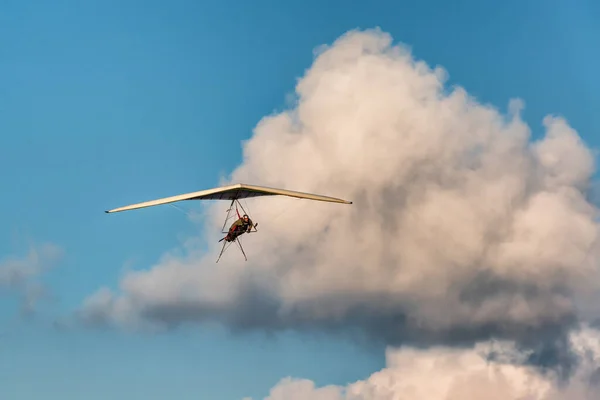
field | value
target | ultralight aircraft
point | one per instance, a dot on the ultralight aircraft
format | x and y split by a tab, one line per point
233	193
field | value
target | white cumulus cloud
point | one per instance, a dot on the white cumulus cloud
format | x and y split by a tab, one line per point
442	373
462	228
21	275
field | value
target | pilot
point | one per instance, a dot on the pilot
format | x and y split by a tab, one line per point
242	225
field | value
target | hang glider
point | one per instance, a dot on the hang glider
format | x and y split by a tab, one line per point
233	193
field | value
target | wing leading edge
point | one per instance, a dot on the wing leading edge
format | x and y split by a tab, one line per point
232	192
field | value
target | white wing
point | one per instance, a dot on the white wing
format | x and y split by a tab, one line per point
232	192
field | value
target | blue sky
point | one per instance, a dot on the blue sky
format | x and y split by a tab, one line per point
107	103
